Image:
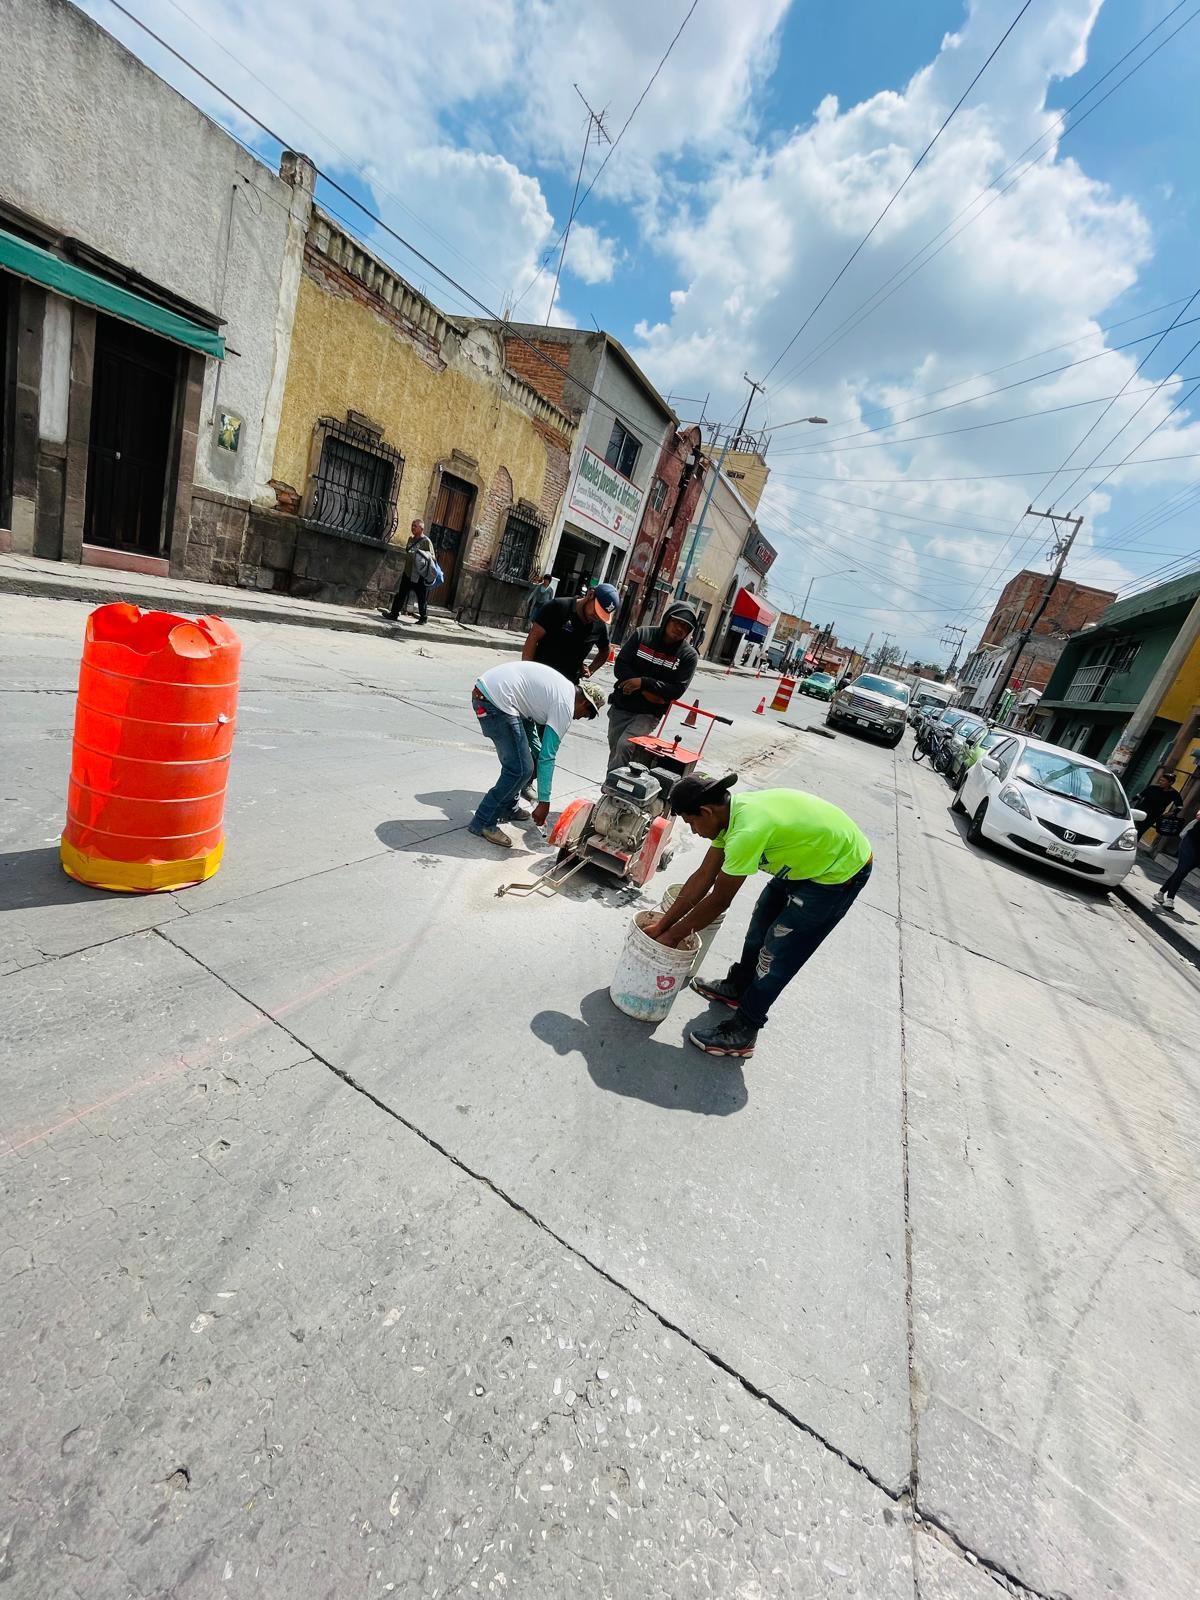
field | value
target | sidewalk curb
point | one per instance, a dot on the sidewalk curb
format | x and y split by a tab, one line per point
99	593
1161	924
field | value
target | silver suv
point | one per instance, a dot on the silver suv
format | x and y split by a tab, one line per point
873	705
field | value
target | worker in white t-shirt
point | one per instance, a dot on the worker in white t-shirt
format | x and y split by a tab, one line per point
511	701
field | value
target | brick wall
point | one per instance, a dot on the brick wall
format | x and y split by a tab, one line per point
1072	606
491	520
528	363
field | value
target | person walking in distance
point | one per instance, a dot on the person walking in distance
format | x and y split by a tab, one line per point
567	632
819	861
540	595
654	667
510	701
1186	861
419	565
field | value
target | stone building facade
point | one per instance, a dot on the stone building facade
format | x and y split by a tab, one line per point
393	411
675	490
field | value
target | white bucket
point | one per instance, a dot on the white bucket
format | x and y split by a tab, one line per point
650	975
706	935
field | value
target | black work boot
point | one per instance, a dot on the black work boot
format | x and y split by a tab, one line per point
732	1036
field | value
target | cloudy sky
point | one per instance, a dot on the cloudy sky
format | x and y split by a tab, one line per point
770	141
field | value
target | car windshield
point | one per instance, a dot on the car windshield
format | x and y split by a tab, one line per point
894	691
819	677
949	719
1057	772
930	700
969	728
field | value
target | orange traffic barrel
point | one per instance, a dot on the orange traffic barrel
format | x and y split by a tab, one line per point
154	725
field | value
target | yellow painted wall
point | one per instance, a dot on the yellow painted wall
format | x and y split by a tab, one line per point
750	472
344	356
1176	705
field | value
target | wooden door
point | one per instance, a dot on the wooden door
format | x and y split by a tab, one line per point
451	518
133	402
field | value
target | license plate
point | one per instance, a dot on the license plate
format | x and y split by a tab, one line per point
863	722
1060	852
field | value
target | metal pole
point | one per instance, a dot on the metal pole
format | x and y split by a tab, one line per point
1139	723
1026	634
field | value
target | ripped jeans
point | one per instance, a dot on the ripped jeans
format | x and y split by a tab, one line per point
790	921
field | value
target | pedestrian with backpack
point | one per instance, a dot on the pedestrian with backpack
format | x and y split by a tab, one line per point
420	575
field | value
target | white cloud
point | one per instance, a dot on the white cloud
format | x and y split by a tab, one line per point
1043	264
590	256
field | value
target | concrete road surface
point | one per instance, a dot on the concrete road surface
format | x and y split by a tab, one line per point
354	1244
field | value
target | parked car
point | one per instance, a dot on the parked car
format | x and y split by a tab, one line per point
953	748
933	729
926	693
1063	808
817	684
873	705
981	745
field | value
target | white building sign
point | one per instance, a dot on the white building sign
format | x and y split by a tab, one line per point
605	497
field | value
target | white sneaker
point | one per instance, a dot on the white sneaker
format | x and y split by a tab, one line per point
1163	902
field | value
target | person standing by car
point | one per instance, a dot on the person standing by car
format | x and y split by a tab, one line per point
566	632
819	861
1186	861
1156	800
509	700
419	570
654	667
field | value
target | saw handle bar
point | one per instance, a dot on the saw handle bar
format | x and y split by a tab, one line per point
686	705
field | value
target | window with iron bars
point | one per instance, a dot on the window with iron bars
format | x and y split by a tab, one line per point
353	491
658	495
519	545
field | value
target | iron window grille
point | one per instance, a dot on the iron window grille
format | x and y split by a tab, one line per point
658	495
353	491
623	449
519	545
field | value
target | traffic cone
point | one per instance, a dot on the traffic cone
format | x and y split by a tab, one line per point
760	708
690	720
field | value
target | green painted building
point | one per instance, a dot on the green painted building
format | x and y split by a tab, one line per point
1105	670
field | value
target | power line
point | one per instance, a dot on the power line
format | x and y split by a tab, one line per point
879	296
994	477
364	210
613	150
1134	448
911	171
988	394
596	126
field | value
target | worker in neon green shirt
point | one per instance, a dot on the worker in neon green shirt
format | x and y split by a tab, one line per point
819	861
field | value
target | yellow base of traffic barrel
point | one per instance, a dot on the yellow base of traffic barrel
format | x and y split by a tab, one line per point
138	877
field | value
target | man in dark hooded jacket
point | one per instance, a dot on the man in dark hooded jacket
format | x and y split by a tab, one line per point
654	667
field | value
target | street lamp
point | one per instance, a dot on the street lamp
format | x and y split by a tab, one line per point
840	573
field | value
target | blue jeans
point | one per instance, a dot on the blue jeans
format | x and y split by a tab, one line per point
790	921
1185	861
516	762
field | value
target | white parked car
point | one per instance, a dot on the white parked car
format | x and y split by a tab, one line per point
1041	800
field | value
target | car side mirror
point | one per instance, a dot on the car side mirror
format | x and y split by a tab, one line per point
989	764
1138	816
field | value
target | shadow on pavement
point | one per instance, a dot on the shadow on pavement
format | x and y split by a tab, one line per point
623	1057
31	878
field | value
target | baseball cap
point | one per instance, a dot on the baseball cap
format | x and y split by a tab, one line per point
607	600
593	695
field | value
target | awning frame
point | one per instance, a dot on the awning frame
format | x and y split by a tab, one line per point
36	265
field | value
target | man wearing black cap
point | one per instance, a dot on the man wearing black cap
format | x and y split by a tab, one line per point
567	632
654	667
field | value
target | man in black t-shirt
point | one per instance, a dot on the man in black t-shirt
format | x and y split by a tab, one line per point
568	632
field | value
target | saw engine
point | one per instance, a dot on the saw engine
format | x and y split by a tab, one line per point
626	829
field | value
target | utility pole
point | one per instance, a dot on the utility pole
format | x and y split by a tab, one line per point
1139	723
948	638
730	440
595	124
1063	550
755	388
879	654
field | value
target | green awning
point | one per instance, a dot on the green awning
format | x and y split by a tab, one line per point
75	283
